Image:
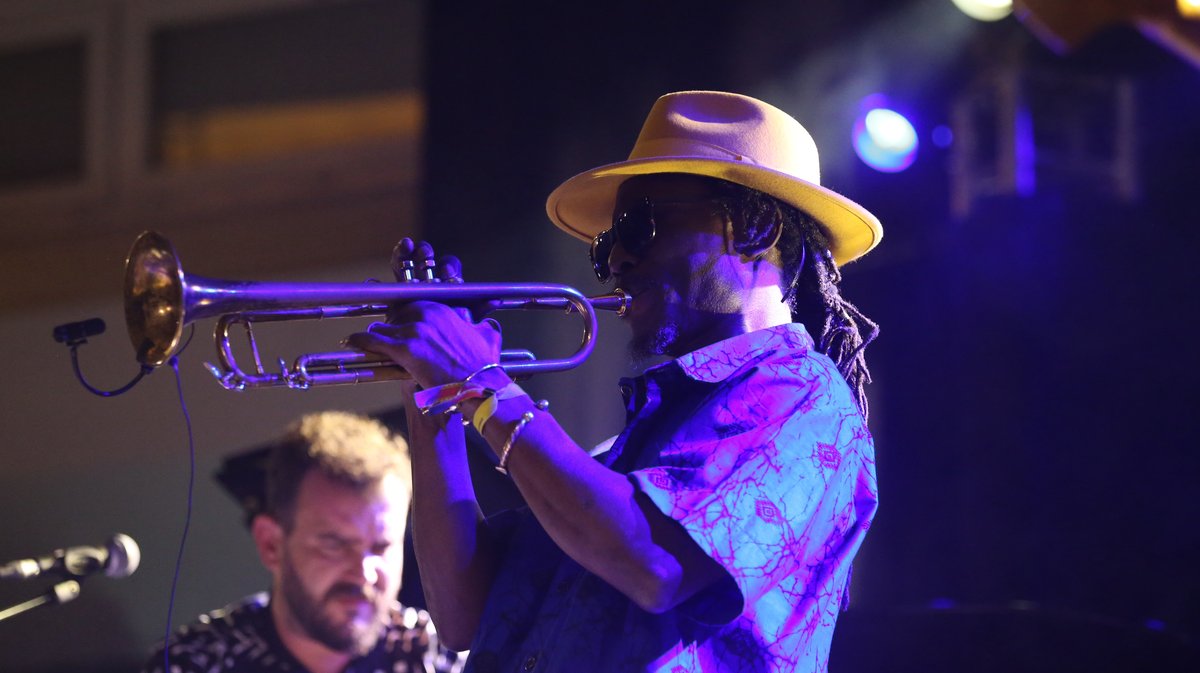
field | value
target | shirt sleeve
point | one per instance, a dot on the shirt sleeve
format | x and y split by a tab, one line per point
763	479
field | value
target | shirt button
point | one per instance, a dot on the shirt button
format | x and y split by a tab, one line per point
530	663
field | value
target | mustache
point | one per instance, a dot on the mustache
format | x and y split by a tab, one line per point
348	590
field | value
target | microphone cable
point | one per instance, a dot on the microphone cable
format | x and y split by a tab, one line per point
74	335
187	519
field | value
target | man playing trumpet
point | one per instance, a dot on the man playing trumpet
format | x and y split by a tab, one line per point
717	532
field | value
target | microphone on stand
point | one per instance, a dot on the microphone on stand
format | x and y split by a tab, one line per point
119	557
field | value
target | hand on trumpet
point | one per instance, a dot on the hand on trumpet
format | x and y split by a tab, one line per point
435	343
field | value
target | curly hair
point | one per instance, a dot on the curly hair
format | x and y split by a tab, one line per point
355	450
838	327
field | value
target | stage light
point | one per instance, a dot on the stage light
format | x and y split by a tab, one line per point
1188	9
884	138
986	10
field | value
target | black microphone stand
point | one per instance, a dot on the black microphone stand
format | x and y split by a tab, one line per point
63	592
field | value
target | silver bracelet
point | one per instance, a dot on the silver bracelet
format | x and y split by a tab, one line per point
477	372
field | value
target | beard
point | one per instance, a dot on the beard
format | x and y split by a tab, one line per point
656	326
323	621
649	346
676	322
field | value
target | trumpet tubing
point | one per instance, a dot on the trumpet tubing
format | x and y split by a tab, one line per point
160	300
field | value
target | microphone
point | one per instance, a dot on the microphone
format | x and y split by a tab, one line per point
119	557
76	333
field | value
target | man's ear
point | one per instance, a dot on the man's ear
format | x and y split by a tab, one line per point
268	538
752	241
775	235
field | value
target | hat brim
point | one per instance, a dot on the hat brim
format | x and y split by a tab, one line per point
582	206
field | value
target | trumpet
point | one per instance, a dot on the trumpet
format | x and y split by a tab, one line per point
160	301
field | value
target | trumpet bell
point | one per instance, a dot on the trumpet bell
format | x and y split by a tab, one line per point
154	298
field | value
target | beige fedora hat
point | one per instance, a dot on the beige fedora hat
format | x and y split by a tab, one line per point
727	136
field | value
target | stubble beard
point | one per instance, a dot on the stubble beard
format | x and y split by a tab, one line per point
647	347
348	635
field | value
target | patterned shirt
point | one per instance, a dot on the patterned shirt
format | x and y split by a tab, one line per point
241	638
756	447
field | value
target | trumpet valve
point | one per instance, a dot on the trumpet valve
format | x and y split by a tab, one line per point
430	267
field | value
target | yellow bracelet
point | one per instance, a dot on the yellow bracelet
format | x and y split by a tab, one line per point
488	407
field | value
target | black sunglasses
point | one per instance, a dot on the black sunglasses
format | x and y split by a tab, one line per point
635	230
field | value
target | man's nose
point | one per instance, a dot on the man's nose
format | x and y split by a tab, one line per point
372	568
620	260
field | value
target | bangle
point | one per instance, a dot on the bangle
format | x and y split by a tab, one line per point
477	372
488	408
502	466
445	399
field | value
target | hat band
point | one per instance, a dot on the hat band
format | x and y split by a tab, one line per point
669	148
688	148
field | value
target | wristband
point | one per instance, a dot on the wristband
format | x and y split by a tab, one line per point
488	408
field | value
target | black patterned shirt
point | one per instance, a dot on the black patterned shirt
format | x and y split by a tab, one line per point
241	638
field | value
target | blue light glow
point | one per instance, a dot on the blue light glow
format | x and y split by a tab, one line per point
884	138
943	136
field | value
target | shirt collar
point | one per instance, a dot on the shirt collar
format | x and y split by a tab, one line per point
717	362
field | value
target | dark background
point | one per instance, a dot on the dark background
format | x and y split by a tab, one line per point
1036	446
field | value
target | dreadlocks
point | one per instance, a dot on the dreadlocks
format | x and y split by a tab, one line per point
839	329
